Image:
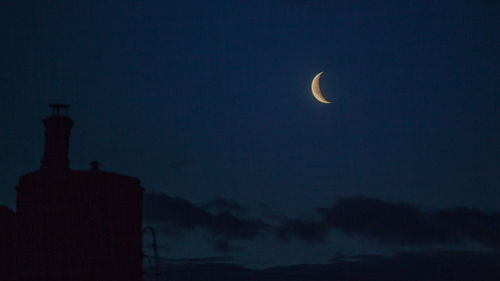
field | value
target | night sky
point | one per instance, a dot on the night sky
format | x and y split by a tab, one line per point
208	103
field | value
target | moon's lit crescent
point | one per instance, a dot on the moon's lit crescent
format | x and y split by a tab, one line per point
316	90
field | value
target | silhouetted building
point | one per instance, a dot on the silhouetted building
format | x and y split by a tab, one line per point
76	225
7	243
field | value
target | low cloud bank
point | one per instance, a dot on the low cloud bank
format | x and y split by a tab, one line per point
384	222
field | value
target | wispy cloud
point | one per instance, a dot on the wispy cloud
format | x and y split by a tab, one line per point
223	205
178	215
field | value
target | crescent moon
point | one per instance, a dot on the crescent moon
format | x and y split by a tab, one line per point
316	91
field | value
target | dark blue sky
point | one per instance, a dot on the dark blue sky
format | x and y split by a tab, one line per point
208	99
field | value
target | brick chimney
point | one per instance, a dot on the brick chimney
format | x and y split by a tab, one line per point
57	132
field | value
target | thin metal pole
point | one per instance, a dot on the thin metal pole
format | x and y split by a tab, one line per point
155	251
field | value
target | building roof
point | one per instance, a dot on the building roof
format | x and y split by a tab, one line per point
6	212
113	179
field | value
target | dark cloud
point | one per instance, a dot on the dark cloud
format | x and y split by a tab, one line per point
472	224
234	227
176	215
385	222
395	223
427	265
215	259
423	265
222	205
159	207
402	223
224	245
308	231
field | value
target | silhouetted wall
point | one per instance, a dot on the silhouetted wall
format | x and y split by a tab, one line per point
8	225
81	225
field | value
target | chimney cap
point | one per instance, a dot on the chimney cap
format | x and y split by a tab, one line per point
59	109
95	165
